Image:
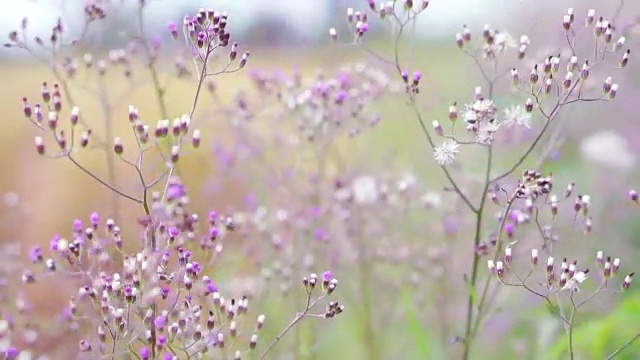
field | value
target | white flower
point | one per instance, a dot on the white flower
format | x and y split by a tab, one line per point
516	115
469	114
365	189
484	135
573	284
446	153
504	40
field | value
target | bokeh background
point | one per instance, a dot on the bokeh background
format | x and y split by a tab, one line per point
42	197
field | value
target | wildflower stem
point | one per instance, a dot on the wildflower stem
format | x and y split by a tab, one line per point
423	125
299	316
623	347
485	291
476	255
102	182
159	89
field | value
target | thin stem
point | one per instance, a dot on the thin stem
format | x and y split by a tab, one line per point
102	182
476	255
499	244
159	89
300	316
623	347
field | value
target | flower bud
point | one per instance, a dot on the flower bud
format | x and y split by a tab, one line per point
625	58
613	91
459	40
74	116
528	105
244	59
437	127
515	77
615	266
627	281
453	112
466	33
195	140
117	146
39	145
508	257
175	153
590	17
566	22
492	266
606	87
334	34
534	257
599	260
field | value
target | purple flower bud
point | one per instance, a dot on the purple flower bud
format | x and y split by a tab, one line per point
326	276
509	229
174	231
213	233
77	226
35	255
145	353
417	76
320	235
94	218
11	353
159	322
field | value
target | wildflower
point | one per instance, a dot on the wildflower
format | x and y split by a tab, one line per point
573	284
446	153
516	115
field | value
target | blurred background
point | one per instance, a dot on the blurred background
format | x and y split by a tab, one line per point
43	196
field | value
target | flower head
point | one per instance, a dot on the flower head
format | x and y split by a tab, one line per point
516	115
446	153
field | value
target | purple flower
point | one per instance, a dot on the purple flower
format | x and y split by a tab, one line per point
509	229
319	234
94	218
161	340
35	255
173	29
77	226
213	216
53	245
213	232
145	353
212	288
11	353
175	191
341	96
167	356
173	231
326	276
160	322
